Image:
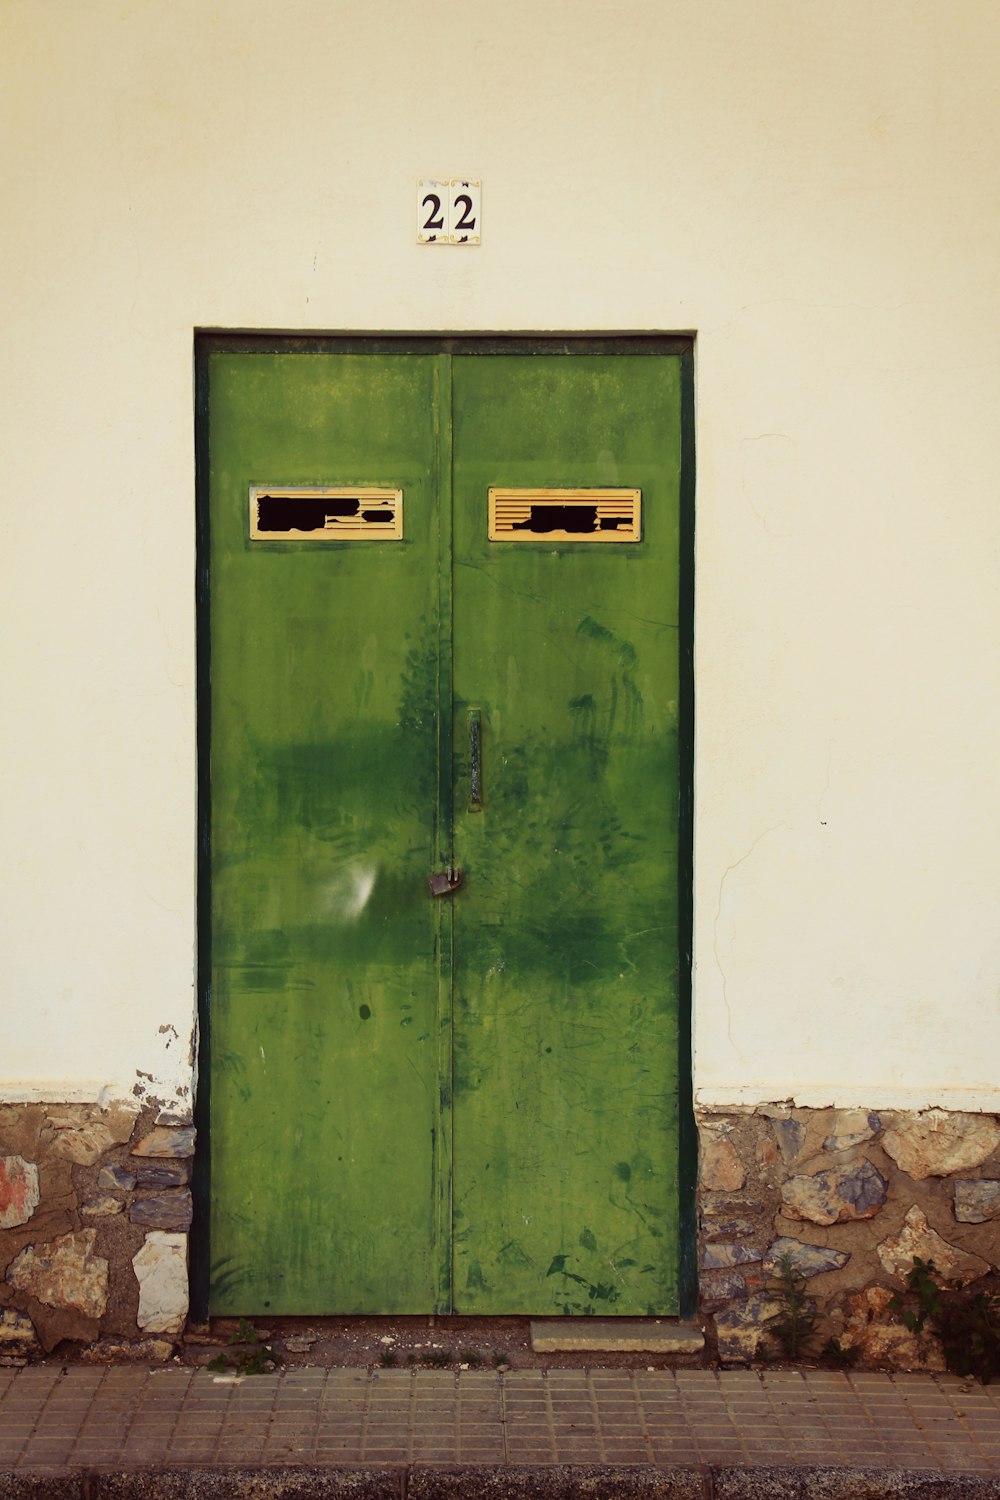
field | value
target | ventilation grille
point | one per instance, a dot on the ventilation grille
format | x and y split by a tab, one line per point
340	514
565	515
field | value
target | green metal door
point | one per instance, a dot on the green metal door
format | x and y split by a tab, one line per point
469	1102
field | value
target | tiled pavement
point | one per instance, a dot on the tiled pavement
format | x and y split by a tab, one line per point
60	1419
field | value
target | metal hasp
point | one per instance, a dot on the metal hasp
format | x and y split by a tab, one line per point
445	882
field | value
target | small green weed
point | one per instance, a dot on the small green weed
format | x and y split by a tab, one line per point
922	1299
387	1359
470	1357
966	1322
835	1353
438	1359
500	1357
255	1358
793	1327
259	1361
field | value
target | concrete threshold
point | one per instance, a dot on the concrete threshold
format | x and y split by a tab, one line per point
491	1482
615	1335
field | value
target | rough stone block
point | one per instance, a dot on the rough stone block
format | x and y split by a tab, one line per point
835	1196
166	1140
719	1287
54	1325
790	1136
916	1237
721	1169
161	1270
881	1338
977	1202
101	1205
852	1127
719	1257
85	1132
16	1330
115	1177
726	1229
171	1210
18	1191
161	1173
742	1327
808	1260
65	1273
938	1142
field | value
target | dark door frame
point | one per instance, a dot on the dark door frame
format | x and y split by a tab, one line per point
210	341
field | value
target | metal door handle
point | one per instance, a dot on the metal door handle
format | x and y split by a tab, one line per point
475	760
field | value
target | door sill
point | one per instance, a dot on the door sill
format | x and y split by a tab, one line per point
615	1335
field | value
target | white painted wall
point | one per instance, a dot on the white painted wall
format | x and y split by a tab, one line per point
811	187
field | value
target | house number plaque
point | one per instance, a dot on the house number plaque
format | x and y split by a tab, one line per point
449	211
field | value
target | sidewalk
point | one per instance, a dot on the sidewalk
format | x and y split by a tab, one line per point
68	1432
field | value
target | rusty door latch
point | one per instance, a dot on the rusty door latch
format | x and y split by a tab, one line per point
445	882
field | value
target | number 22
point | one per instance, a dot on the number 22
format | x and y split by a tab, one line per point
449	212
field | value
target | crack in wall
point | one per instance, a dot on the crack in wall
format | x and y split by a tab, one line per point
729	870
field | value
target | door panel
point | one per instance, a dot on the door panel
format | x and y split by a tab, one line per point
469	1103
565	1120
324	781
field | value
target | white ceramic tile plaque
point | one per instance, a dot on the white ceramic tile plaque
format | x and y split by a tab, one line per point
449	211
433	200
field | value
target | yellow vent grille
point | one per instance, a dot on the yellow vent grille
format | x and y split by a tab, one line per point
565	515
322	514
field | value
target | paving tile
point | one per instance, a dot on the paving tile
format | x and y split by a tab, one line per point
86	1455
739	1418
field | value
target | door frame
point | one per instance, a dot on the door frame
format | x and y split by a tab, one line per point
211	341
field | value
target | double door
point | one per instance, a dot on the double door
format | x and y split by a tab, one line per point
442	828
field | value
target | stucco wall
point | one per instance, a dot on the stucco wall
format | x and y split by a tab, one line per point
811	188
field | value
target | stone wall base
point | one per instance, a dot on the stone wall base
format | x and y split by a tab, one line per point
850	1196
95	1205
